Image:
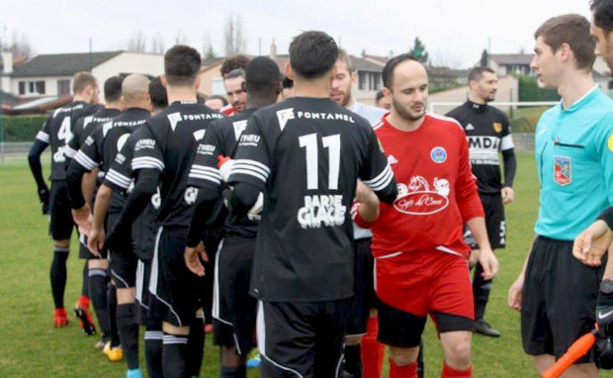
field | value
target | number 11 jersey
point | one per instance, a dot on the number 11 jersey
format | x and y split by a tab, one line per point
306	155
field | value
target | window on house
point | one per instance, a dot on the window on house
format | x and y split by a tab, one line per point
362	81
32	87
217	86
63	87
22	88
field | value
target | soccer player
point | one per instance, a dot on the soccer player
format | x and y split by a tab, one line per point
239	61
421	259
382	101
288	88
57	131
234	310
575	170
161	152
305	154
100	150
488	134
216	102
234	82
362	318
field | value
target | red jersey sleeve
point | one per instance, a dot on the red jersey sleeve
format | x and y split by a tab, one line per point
467	196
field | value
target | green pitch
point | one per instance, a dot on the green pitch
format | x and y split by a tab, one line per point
31	347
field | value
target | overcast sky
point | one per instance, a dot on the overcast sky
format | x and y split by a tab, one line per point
454	32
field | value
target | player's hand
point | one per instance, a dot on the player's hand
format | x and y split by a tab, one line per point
604	314
43	196
592	244
82	217
508	195
364	194
192	261
474	257
95	241
257	208
489	263
224	164
515	293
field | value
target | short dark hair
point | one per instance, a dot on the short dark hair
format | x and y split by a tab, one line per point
312	54
379	95
603	14
287	82
112	89
82	80
237	72
388	71
345	57
218	97
181	65
574	30
158	94
477	73
262	75
234	62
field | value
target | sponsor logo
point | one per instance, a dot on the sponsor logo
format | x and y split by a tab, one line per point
249	140
322	211
285	115
144	144
438	155
205	149
497	127
120	159
418	198
563	170
191	194
239	127
483	142
199	135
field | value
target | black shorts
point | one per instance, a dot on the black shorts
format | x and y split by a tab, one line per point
494	222
146	301
402	329
234	310
558	300
175	286
84	252
123	268
61	222
365	297
301	339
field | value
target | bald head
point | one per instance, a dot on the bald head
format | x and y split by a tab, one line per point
135	91
406	84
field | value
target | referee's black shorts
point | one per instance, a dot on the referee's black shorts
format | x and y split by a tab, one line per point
558	300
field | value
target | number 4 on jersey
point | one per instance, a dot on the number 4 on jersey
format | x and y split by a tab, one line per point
333	144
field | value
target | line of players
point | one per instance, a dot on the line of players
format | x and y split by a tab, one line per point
161	151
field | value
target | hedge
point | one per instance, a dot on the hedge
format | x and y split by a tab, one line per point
529	90
21	128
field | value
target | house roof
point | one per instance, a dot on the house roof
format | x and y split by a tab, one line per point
377	58
61	64
7	98
503	59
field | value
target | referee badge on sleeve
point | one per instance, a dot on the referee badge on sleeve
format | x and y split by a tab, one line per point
563	174
610	143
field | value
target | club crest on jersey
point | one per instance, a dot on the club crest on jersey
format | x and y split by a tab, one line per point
438	155
285	115
418	198
563	173
497	127
174	118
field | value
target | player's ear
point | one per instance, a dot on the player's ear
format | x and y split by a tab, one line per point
244	86
163	80
197	82
288	71
333	73
386	92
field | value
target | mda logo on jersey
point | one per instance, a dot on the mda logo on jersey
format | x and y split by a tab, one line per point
438	155
563	174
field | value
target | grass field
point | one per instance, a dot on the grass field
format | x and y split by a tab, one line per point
30	347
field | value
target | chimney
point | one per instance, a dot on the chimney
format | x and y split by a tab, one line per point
273	50
7	59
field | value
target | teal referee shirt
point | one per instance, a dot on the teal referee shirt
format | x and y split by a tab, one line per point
574	160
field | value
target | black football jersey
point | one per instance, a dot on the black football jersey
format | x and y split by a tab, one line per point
103	145
221	139
306	155
168	143
57	131
488	133
85	126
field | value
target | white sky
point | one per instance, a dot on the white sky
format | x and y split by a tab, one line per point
454	32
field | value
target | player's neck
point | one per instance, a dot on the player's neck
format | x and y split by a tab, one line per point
181	94
257	102
404	124
79	97
350	103
312	88
114	106
476	100
574	86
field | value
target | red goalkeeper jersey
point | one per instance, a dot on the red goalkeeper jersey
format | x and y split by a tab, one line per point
437	192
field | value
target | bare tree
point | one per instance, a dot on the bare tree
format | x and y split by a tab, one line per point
445	58
234	39
207	48
157	44
19	45
180	38
138	42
